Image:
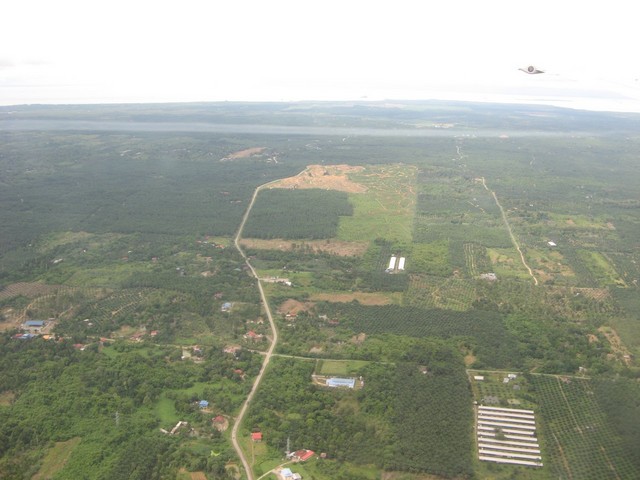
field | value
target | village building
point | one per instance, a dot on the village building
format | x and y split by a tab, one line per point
335	382
251	335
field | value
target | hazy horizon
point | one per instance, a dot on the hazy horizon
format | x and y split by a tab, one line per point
70	53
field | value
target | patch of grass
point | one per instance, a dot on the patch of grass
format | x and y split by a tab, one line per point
601	268
386	209
507	262
340	367
56	458
6	398
165	409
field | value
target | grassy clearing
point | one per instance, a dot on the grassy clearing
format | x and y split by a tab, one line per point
601	268
6	398
506	262
550	264
339	367
165	409
111	276
578	221
56	458
386	209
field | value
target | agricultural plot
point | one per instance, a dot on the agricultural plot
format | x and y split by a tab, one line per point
476	260
386	209
291	214
581	443
444	293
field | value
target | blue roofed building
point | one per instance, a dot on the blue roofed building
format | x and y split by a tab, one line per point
34	323
341	382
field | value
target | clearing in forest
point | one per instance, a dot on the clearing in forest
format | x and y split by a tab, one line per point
328	177
333	247
364	298
56	458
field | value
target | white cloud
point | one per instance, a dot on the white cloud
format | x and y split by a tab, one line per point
201	50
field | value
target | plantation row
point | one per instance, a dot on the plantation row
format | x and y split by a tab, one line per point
582	443
292	214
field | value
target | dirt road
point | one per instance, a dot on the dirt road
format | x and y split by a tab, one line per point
513	237
267	357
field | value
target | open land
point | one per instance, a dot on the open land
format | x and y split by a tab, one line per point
172	353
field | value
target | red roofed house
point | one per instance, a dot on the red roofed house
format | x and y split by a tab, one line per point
303	455
256	436
251	335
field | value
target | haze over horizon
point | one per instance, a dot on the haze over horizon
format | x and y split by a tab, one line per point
74	53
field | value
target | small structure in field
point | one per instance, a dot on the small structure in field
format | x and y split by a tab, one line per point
256	436
336	382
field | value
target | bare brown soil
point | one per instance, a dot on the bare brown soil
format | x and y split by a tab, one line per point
330	177
334	247
294	307
247	152
362	297
6	398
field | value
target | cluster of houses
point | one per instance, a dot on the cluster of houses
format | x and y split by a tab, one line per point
34	328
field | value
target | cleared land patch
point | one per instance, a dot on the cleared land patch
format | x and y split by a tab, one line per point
333	247
363	298
56	458
330	177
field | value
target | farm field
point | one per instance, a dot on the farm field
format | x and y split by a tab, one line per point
520	255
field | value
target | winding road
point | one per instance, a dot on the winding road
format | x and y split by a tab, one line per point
267	357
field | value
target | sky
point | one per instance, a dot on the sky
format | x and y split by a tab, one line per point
138	51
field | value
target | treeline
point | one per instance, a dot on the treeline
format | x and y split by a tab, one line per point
291	214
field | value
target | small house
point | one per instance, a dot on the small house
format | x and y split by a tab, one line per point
203	404
256	436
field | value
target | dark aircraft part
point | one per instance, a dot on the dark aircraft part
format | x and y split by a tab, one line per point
531	70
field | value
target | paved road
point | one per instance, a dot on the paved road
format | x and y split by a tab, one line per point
267	357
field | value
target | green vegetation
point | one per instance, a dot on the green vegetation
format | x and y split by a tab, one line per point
121	239
309	214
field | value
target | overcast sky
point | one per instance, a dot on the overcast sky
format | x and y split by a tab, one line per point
69	51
